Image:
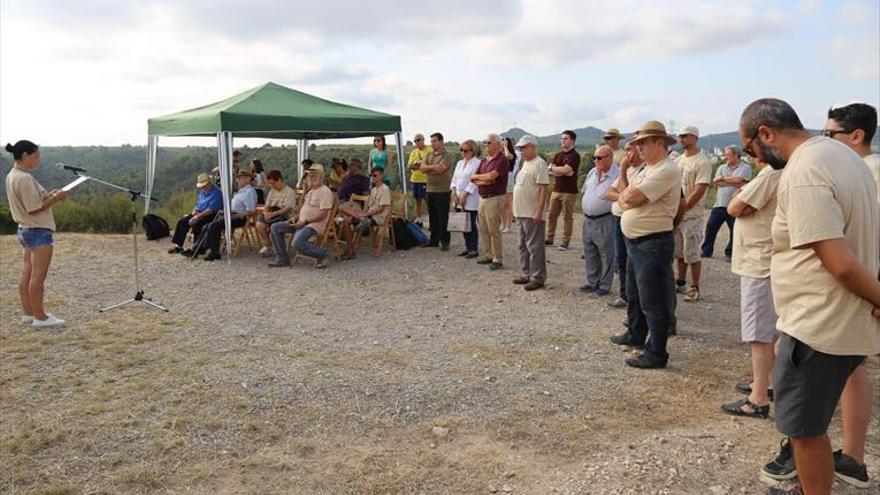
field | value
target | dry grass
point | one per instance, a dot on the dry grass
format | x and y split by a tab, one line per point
313	388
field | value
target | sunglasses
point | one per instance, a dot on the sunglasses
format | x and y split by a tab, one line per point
600	157
418	140
833	132
465	150
747	149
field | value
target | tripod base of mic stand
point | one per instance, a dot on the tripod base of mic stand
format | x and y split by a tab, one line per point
138	297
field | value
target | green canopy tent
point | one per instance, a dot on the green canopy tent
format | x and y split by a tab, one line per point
269	111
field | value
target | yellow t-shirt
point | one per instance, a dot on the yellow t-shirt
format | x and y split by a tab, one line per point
661	184
825	192
380	195
417	155
25	195
695	170
531	174
631	172
752	241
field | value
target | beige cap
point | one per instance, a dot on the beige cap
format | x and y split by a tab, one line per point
526	140
689	129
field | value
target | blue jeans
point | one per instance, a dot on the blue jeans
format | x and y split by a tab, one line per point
278	230
32	238
620	256
717	218
301	243
650	287
472	238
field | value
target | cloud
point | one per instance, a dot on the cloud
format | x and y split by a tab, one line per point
856	56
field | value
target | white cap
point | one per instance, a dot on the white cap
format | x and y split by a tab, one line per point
689	129
526	140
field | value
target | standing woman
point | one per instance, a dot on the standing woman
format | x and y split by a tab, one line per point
514	157
465	196
259	180
31	208
380	157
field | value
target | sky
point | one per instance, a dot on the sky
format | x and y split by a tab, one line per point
91	72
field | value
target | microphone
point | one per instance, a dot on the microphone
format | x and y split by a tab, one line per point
64	166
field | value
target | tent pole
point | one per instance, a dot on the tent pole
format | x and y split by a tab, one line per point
224	159
402	171
152	145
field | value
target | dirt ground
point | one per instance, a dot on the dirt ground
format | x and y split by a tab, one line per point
414	372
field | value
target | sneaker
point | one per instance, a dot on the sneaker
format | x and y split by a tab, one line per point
175	250
533	285
785	491
505	230
617	303
278	264
521	280
586	288
782	467
643	362
444	247
265	252
849	471
625	339
464	253
27	319
681	287
50	321
471	255
693	294
495	265
563	246
484	261
602	292
322	263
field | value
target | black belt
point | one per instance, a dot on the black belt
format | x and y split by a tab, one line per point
493	196
594	217
648	237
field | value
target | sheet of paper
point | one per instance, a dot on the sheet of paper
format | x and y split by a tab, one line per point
78	181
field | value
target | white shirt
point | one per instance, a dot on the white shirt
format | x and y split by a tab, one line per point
461	181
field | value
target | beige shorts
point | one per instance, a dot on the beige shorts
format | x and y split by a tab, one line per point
688	239
757	312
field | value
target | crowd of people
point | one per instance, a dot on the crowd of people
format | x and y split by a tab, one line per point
804	242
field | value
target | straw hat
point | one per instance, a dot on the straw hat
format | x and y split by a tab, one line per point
202	180
612	134
653	128
316	168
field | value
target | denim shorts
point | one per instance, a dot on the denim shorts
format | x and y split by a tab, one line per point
32	238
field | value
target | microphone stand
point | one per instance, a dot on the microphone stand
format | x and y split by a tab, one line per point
139	295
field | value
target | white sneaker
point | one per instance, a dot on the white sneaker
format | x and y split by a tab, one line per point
265	251
50	321
27	319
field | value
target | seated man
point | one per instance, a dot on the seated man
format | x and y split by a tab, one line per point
280	205
375	212
311	221
209	203
244	204
353	183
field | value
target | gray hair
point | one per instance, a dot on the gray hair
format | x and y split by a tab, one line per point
771	112
734	148
495	138
474	146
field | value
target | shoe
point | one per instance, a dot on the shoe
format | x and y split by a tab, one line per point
347	256
471	255
586	288
643	362
533	285
212	256
548	242
27	319
175	250
625	339
278	264
495	265
782	467
444	247
849	471
680	287
563	246
464	253
785	491
322	263
505	230
746	389
363	225
521	280
736	409
187	252
431	244
265	252
705	255
484	261
602	292
617	303
50	321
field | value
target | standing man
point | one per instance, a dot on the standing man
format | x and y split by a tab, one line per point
696	173
598	228
491	179
630	167
728	178
826	236
564	170
854	125
209	202
438	168
612	139
529	198
650	204
418	179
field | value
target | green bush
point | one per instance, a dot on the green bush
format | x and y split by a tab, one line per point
7	224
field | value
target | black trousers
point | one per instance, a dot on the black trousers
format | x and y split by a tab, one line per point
438	216
215	228
183	227
718	217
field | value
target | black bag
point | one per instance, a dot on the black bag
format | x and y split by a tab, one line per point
155	227
403	239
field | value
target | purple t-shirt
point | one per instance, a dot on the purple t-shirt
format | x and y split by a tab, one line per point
499	187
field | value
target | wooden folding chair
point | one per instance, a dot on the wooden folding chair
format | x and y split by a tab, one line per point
377	234
247	233
329	233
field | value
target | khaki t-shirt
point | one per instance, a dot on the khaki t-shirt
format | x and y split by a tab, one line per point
439	183
380	195
873	162
695	170
316	200
281	199
752	241
618	155
825	192
532	173
661	184
631	172
25	195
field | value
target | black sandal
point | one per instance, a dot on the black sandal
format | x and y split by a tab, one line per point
746	389
736	409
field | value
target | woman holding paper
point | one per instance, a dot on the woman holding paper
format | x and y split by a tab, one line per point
31	208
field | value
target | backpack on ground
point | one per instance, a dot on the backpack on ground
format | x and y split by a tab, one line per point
416	232
402	237
155	227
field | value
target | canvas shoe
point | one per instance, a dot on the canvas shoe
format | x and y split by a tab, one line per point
782	467
27	319
265	252
50	321
693	294
849	471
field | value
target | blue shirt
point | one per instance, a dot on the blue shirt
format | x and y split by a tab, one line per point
595	201
245	200
211	200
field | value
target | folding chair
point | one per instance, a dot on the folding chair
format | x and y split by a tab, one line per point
377	233
321	238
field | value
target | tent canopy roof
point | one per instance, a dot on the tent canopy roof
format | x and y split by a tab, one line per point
276	112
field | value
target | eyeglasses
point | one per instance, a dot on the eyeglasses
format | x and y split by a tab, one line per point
600	157
747	149
465	150
419	140
833	132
